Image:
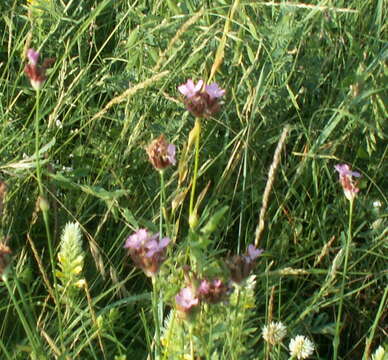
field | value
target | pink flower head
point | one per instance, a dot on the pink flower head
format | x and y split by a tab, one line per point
213	291
37	73
214	91
241	266
147	251
190	89
201	103
344	170
186	299
346	179
33	56
161	154
204	287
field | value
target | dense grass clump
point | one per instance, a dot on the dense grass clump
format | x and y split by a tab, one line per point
193	179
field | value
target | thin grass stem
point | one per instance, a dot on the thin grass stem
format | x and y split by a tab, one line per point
26	325
162	202
155	312
339	314
45	208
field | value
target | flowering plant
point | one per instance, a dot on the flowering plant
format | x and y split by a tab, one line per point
201	103
35	72
147	250
346	179
161	154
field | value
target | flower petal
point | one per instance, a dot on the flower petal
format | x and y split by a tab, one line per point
33	56
214	91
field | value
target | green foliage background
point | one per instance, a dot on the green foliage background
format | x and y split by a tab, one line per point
320	67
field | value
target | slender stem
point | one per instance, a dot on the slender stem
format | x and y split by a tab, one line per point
196	162
155	300
191	341
162	201
37	160
23	298
45	208
347	250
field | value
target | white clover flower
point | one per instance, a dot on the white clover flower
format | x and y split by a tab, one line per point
301	347
380	354
377	204
274	332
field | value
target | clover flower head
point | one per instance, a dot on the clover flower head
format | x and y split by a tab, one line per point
301	347
201	103
346	180
147	250
161	154
274	332
240	266
186	299
35	72
204	287
213	291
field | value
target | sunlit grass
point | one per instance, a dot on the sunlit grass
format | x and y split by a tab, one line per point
77	154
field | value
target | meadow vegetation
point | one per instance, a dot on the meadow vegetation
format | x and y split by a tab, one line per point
203	179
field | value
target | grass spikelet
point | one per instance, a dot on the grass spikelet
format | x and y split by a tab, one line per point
269	184
324	251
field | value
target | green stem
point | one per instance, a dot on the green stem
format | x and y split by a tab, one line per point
340	307
27	309
191	341
155	311
37	159
45	209
196	162
162	201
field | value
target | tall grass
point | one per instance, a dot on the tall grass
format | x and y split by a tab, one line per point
74	152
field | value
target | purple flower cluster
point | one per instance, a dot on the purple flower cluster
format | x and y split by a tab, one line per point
186	300
209	291
213	291
346	179
147	251
240	266
201	103
35	72
216	290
